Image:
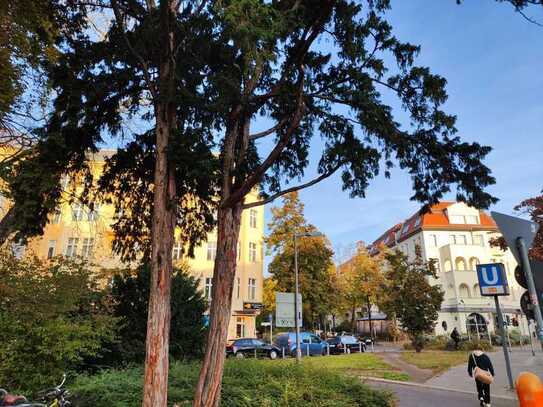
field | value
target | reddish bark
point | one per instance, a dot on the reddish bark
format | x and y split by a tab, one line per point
155	390
209	383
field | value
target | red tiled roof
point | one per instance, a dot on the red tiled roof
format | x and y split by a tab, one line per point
434	218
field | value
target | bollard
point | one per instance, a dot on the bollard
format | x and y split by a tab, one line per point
255	353
529	390
327	349
307	349
344	348
360	347
282	352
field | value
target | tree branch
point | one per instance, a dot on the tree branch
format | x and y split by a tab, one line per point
257	174
144	65
269	131
292	189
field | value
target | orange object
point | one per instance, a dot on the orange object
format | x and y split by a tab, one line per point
529	390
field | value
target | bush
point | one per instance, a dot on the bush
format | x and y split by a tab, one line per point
53	318
246	383
515	338
130	293
474	344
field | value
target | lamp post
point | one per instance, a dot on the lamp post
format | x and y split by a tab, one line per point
297	289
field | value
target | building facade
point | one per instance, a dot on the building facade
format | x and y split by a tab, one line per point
457	238
75	230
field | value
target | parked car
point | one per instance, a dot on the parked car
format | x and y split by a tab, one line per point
251	347
310	344
345	344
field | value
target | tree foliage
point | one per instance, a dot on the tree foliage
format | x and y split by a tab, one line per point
314	259
53	318
130	297
361	280
410	297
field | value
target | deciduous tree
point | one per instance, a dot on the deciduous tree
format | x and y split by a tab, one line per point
361	280
314	259
410	298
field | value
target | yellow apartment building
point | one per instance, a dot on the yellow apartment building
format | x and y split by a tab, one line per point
75	230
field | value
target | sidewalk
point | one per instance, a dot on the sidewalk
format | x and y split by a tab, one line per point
410	395
521	360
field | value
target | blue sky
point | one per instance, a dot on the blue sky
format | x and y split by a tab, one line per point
493	61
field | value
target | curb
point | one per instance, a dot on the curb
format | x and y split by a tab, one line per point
425	386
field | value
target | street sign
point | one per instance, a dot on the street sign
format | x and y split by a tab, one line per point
252	305
512	228
265	324
492	279
527	306
284	310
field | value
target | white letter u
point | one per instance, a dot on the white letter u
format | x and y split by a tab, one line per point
494	279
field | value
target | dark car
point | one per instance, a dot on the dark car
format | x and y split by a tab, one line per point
345	344
251	347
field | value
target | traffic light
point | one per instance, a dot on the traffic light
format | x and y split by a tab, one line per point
525	303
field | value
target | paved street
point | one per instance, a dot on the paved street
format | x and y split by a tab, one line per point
521	360
411	396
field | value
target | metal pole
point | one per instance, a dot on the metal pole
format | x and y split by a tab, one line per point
523	251
531	337
504	344
271	330
296	311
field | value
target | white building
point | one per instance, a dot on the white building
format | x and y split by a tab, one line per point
457	237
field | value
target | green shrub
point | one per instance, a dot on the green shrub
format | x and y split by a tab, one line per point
474	344
130	293
246	383
53	318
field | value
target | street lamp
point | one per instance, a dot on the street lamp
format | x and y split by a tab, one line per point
296	310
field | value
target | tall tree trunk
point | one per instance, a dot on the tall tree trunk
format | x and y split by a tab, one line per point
157	344
7	225
208	390
353	319
369	318
155	390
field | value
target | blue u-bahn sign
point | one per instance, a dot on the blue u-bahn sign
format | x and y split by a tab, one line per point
492	279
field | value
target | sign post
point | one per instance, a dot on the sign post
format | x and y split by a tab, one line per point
493	283
519	235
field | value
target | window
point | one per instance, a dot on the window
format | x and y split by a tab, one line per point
211	251
461	239
57	216
71	247
433	240
460	264
87	248
456	219
238	287
240	327
77	212
252	288
208	287
472	219
177	250
65	182
452	239
405	228
252	252
463	291
437	268
51	249
473	263
252	218
478	240
94	214
417	222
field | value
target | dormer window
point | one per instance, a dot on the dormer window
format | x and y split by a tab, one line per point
456	219
417	222
405	228
472	220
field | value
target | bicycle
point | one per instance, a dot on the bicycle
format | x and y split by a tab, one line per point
54	397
